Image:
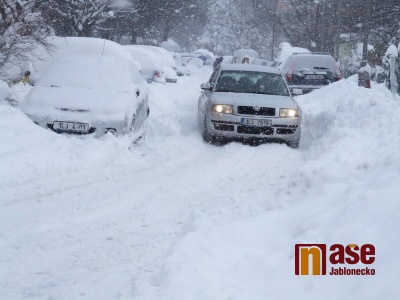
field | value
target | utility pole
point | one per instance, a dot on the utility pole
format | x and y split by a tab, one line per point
363	74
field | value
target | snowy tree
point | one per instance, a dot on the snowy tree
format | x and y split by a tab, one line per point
159	20
231	26
81	17
22	29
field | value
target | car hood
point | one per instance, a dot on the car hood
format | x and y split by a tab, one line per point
79	103
237	99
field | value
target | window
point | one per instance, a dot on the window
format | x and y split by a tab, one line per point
251	82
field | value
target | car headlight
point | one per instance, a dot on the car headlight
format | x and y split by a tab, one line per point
223	108
288	113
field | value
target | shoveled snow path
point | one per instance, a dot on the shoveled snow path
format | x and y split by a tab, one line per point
103	233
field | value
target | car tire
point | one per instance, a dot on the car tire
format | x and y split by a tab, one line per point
211	138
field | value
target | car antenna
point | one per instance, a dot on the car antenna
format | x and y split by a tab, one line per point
104	45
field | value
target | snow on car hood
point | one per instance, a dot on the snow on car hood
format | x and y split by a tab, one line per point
255	100
79	103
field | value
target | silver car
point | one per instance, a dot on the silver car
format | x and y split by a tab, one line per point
248	102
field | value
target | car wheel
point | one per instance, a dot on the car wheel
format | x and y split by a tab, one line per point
294	144
211	138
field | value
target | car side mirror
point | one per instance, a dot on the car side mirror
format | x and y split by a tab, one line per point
205	86
297	92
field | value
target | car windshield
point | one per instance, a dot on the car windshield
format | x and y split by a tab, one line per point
251	82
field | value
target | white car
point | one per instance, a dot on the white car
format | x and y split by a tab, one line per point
169	65
90	95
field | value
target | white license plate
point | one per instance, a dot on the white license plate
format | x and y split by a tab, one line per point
71	126
314	76
256	122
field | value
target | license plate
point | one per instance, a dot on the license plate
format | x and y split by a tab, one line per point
255	122
314	76
71	126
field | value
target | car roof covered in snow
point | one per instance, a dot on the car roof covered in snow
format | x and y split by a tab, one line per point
249	67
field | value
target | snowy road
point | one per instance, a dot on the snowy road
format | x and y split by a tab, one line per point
97	221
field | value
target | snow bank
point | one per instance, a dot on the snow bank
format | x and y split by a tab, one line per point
29	152
346	191
286	50
4	91
171	46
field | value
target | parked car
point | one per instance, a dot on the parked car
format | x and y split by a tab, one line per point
192	59
310	71
181	68
151	67
207	56
244	101
90	95
167	61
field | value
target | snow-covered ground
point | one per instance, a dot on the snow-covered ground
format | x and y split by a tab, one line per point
175	218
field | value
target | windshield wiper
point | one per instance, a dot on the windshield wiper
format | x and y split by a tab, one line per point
321	68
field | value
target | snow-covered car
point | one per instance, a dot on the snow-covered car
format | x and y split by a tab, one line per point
169	64
248	102
310	71
151	67
156	63
192	59
181	68
66	46
207	56
239	55
90	95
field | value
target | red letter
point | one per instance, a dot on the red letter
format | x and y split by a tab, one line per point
338	252
353	256
367	250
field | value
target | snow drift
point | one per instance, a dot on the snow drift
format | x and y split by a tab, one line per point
346	191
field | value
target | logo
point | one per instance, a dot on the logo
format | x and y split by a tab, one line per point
256	108
311	259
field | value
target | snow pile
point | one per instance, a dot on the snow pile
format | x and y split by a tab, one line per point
285	51
29	152
4	91
243	52
171	46
345	191
205	52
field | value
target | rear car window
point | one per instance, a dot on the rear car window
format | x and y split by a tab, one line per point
311	62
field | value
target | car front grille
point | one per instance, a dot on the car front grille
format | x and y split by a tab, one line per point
224	127
256	111
255	130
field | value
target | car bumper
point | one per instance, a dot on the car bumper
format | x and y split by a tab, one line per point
305	88
230	126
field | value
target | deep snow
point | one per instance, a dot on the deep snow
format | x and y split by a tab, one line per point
174	218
